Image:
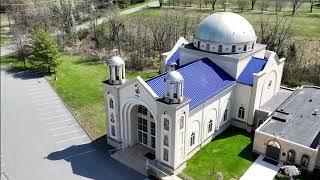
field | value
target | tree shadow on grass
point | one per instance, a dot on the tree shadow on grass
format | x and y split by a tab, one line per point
92	161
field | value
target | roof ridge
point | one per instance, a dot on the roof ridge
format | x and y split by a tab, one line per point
181	67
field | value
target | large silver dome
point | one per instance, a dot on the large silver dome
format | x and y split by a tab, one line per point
225	29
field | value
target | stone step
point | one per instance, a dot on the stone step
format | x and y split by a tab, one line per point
134	163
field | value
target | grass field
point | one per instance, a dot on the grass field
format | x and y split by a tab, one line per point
304	25
229	153
79	84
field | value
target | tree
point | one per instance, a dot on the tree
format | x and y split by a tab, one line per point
253	2
291	171
274	33
279	5
45	51
242	4
213	3
115	25
295	5
264	5
312	3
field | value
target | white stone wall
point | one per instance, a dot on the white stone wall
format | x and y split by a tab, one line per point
261	140
199	119
242	98
128	98
231	65
262	89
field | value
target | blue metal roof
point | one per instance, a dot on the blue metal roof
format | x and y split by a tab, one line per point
174	59
255	65
203	80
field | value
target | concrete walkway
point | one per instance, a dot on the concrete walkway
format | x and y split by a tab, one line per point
261	170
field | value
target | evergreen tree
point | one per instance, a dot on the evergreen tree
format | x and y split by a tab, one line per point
45	51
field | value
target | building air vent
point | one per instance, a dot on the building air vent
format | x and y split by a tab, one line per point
281	116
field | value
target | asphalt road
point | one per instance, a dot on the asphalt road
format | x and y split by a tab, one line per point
41	140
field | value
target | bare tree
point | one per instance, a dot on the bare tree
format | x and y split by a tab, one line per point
206	2
295	5
213	3
253	2
274	33
264	5
312	3
279	5
21	41
115	25
242	4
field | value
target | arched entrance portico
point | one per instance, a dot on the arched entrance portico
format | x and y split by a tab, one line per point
139	125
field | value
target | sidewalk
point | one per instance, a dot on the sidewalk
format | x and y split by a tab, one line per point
261	170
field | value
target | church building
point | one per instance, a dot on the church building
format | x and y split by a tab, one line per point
221	79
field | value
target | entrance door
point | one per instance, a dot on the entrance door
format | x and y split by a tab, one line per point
273	152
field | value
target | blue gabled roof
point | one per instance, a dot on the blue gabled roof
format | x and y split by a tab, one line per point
174	59
203	80
255	65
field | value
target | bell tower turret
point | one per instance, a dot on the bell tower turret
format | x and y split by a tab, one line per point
173	87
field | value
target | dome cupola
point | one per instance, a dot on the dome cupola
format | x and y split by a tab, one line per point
173	87
116	70
225	33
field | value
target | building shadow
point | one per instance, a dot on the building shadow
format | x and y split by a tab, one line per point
92	161
247	153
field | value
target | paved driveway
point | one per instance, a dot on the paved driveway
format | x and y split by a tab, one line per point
261	170
40	139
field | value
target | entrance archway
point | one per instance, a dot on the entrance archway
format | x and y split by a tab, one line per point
143	126
273	150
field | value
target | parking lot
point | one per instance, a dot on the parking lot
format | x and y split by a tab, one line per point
40	139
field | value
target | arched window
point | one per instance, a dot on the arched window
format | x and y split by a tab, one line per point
117	72
245	47
165	154
166	124
220	48
182	122
111	103
241	112
210	126
208	47
233	48
113	130
192	138
225	115
305	161
291	156
252	45
165	140
112	118
269	84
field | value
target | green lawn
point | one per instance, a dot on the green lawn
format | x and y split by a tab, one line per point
229	153
79	84
303	25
